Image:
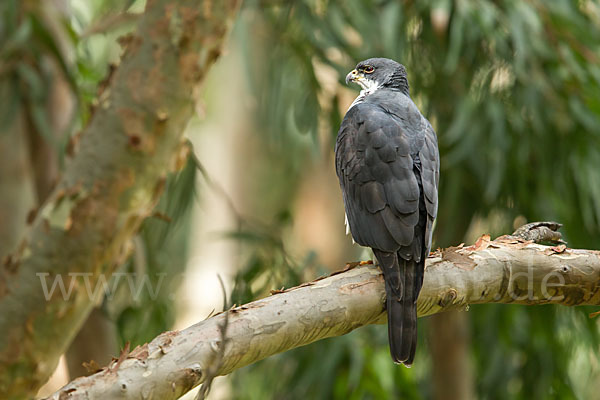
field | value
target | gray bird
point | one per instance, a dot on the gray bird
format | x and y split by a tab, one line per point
387	162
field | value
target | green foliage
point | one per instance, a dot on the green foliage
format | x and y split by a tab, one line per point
355	366
158	262
30	42
268	264
513	90
509	87
281	75
517	355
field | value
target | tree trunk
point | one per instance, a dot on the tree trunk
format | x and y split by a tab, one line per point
97	341
16	184
108	188
449	343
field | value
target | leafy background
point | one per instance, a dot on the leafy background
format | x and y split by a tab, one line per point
511	87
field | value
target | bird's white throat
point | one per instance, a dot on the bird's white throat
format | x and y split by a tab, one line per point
368	87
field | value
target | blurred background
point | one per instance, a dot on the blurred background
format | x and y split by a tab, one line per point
511	87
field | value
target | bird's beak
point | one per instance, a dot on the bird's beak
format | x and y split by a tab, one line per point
354	76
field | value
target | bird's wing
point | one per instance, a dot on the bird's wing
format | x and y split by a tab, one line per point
377	175
430	178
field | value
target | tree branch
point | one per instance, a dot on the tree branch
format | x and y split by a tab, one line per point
507	270
108	188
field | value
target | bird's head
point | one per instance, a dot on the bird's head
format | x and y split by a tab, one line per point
375	73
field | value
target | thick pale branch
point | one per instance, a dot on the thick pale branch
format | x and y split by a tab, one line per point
503	271
113	182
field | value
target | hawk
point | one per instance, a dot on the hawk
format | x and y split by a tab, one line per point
387	162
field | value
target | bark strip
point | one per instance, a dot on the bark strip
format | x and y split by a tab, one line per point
507	270
109	187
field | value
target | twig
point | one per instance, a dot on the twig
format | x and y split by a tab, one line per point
215	365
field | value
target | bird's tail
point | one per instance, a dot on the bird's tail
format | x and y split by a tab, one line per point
402	285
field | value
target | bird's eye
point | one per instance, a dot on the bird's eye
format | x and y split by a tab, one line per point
368	69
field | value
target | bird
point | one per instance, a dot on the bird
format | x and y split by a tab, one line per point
387	162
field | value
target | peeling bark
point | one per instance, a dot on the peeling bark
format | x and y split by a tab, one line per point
109	187
507	270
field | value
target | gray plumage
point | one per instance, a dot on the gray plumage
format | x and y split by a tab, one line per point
387	162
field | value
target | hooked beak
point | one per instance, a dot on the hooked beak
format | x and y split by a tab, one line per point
354	76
